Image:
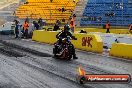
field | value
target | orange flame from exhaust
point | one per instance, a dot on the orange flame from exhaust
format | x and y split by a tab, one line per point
82	72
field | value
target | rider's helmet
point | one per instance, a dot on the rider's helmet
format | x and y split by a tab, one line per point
66	28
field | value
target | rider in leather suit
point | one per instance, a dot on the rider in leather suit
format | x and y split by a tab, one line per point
64	34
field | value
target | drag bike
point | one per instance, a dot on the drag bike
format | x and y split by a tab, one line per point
63	51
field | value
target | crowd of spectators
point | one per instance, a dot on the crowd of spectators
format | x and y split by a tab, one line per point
22	29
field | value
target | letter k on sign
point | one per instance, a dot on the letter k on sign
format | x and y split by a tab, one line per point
86	41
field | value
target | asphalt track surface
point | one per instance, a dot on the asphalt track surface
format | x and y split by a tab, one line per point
29	64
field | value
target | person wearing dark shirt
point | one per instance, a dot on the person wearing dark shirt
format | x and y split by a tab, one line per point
56	27
16	28
36	25
63	9
58	22
40	22
64	34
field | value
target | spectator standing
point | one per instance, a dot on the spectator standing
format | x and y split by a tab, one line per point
40	22
16	28
58	22
63	9
26	26
56	27
36	25
20	30
33	27
72	23
107	26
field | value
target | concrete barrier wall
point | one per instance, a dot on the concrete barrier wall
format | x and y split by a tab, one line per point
88	42
115	31
44	36
121	50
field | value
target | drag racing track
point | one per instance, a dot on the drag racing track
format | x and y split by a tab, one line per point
28	64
